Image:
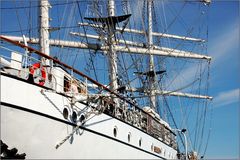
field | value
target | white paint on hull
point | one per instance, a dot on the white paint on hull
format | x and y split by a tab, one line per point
37	135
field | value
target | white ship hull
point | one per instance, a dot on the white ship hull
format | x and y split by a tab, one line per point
33	123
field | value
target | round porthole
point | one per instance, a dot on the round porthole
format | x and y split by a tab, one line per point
129	137
74	116
115	131
65	113
140	142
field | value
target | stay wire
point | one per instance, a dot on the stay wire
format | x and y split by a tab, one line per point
175	124
94	70
208	83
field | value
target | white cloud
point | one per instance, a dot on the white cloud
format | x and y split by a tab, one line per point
222	45
136	8
221	48
226	98
186	77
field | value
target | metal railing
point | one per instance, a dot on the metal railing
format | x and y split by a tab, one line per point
127	111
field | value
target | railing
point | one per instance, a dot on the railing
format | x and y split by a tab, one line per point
127	111
140	119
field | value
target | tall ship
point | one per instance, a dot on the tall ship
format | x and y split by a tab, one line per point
124	79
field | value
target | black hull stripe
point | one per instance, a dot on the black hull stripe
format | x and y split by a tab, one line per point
23	80
72	124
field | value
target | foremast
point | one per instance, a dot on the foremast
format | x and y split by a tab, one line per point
44	27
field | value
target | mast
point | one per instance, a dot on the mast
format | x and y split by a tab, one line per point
151	59
44	27
112	56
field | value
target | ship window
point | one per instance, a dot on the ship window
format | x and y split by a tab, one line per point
82	118
140	142
74	116
66	84
65	113
129	136
152	147
115	131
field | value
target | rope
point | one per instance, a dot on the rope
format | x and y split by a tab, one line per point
175	124
91	60
66	138
96	111
18	19
36	6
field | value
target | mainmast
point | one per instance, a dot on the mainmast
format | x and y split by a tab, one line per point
113	49
151	59
44	27
112	56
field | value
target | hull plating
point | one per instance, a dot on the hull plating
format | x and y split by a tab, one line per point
34	124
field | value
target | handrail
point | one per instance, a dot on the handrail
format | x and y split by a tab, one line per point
30	49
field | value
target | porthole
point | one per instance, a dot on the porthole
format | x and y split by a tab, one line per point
74	116
140	142
65	113
115	131
82	118
129	137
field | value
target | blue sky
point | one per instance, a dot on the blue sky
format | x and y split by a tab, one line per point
224	83
223	46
